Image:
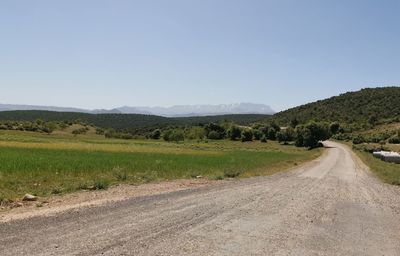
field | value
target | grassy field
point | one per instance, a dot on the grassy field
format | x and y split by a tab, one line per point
51	164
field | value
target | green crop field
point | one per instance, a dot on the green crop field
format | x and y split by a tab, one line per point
51	164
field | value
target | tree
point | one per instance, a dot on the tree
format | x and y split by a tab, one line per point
234	132
285	135
213	135
247	135
257	134
195	132
311	134
334	128
156	134
215	129
174	135
271	134
294	122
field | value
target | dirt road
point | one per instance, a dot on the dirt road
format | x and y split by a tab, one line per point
329	207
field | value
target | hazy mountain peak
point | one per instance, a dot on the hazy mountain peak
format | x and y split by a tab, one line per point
201	110
173	111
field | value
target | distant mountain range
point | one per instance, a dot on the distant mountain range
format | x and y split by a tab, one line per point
174	111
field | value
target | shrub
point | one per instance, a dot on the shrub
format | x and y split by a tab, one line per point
257	134
213	135
232	173
234	132
174	135
263	139
358	140
100	184
271	134
195	133
156	134
247	135
285	135
395	139
334	127
310	134
214	129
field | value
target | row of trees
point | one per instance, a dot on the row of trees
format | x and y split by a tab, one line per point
308	135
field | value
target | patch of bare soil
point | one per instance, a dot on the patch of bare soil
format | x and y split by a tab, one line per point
47	206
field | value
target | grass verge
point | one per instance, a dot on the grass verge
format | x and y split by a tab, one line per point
387	172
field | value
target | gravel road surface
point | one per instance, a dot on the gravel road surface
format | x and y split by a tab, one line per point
332	206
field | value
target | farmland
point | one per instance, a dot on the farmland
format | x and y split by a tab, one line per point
45	164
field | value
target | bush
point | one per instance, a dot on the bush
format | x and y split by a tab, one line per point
394	140
310	134
234	132
286	135
195	133
156	134
257	134
174	135
217	131
232	173
247	135
213	135
263	139
358	140
334	127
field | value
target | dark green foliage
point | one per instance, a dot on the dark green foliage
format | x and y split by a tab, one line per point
334	127
257	134
100	131
286	135
174	135
395	139
263	139
358	140
214	131
234	132
232	173
33	126
311	134
247	135
271	134
294	122
156	134
352	107
83	130
128	123
342	136
195	133
213	135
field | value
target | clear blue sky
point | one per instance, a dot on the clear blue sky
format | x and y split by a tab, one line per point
103	54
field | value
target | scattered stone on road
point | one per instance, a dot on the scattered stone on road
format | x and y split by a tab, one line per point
29	197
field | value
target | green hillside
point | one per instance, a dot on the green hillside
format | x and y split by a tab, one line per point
360	106
135	123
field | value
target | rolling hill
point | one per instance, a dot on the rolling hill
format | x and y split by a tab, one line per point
350	107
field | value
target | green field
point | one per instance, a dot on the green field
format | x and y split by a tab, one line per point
50	164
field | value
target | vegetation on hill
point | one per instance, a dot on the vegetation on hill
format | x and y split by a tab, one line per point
369	105
135	124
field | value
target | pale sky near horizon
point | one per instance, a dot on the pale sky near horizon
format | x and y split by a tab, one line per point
283	53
